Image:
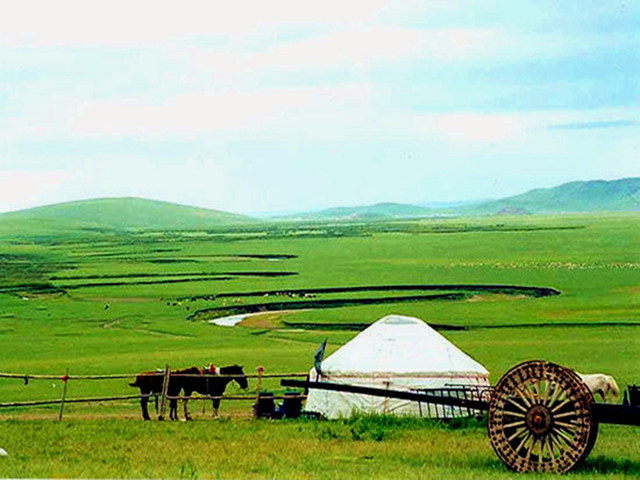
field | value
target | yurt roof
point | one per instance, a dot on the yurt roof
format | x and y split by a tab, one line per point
398	344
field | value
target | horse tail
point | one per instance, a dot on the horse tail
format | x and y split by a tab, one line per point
614	387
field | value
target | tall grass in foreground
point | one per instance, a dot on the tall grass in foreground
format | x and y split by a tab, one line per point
362	447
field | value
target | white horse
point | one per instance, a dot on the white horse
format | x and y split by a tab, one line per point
601	384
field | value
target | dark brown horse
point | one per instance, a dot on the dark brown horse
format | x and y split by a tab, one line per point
210	381
150	383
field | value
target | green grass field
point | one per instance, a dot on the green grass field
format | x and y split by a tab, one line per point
106	302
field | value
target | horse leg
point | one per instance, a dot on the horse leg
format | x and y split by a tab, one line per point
215	403
144	399
187	416
159	388
173	409
187	394
173	390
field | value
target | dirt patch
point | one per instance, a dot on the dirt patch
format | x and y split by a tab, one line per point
113	324
494	298
633	289
266	320
161	333
147	331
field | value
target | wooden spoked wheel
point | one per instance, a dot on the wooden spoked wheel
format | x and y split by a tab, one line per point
540	418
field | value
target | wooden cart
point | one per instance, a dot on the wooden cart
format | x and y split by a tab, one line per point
541	416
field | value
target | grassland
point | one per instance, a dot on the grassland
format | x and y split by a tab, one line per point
112	301
232	448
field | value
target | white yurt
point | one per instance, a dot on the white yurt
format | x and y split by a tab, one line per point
395	353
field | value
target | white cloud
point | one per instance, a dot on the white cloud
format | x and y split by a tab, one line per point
214	112
193	181
24	189
366	46
296	85
148	22
468	128
462	128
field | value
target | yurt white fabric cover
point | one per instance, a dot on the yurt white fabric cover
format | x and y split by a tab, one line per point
398	353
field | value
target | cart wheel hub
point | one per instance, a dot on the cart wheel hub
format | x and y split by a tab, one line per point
539	420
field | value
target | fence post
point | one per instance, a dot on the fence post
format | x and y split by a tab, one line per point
386	399
65	380
165	389
258	388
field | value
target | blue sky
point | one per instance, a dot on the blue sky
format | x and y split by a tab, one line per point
286	106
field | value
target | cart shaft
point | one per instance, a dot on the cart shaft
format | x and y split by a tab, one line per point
381	392
618	414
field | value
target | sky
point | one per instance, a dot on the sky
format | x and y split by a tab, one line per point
282	106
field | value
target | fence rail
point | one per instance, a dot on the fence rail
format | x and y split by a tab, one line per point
163	396
117	376
36	403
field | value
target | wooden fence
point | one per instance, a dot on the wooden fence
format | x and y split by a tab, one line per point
163	396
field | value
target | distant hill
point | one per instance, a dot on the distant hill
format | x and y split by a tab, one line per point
368	212
590	196
121	214
141	214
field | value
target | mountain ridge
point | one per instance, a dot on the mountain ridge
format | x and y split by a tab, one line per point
571	197
126	213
